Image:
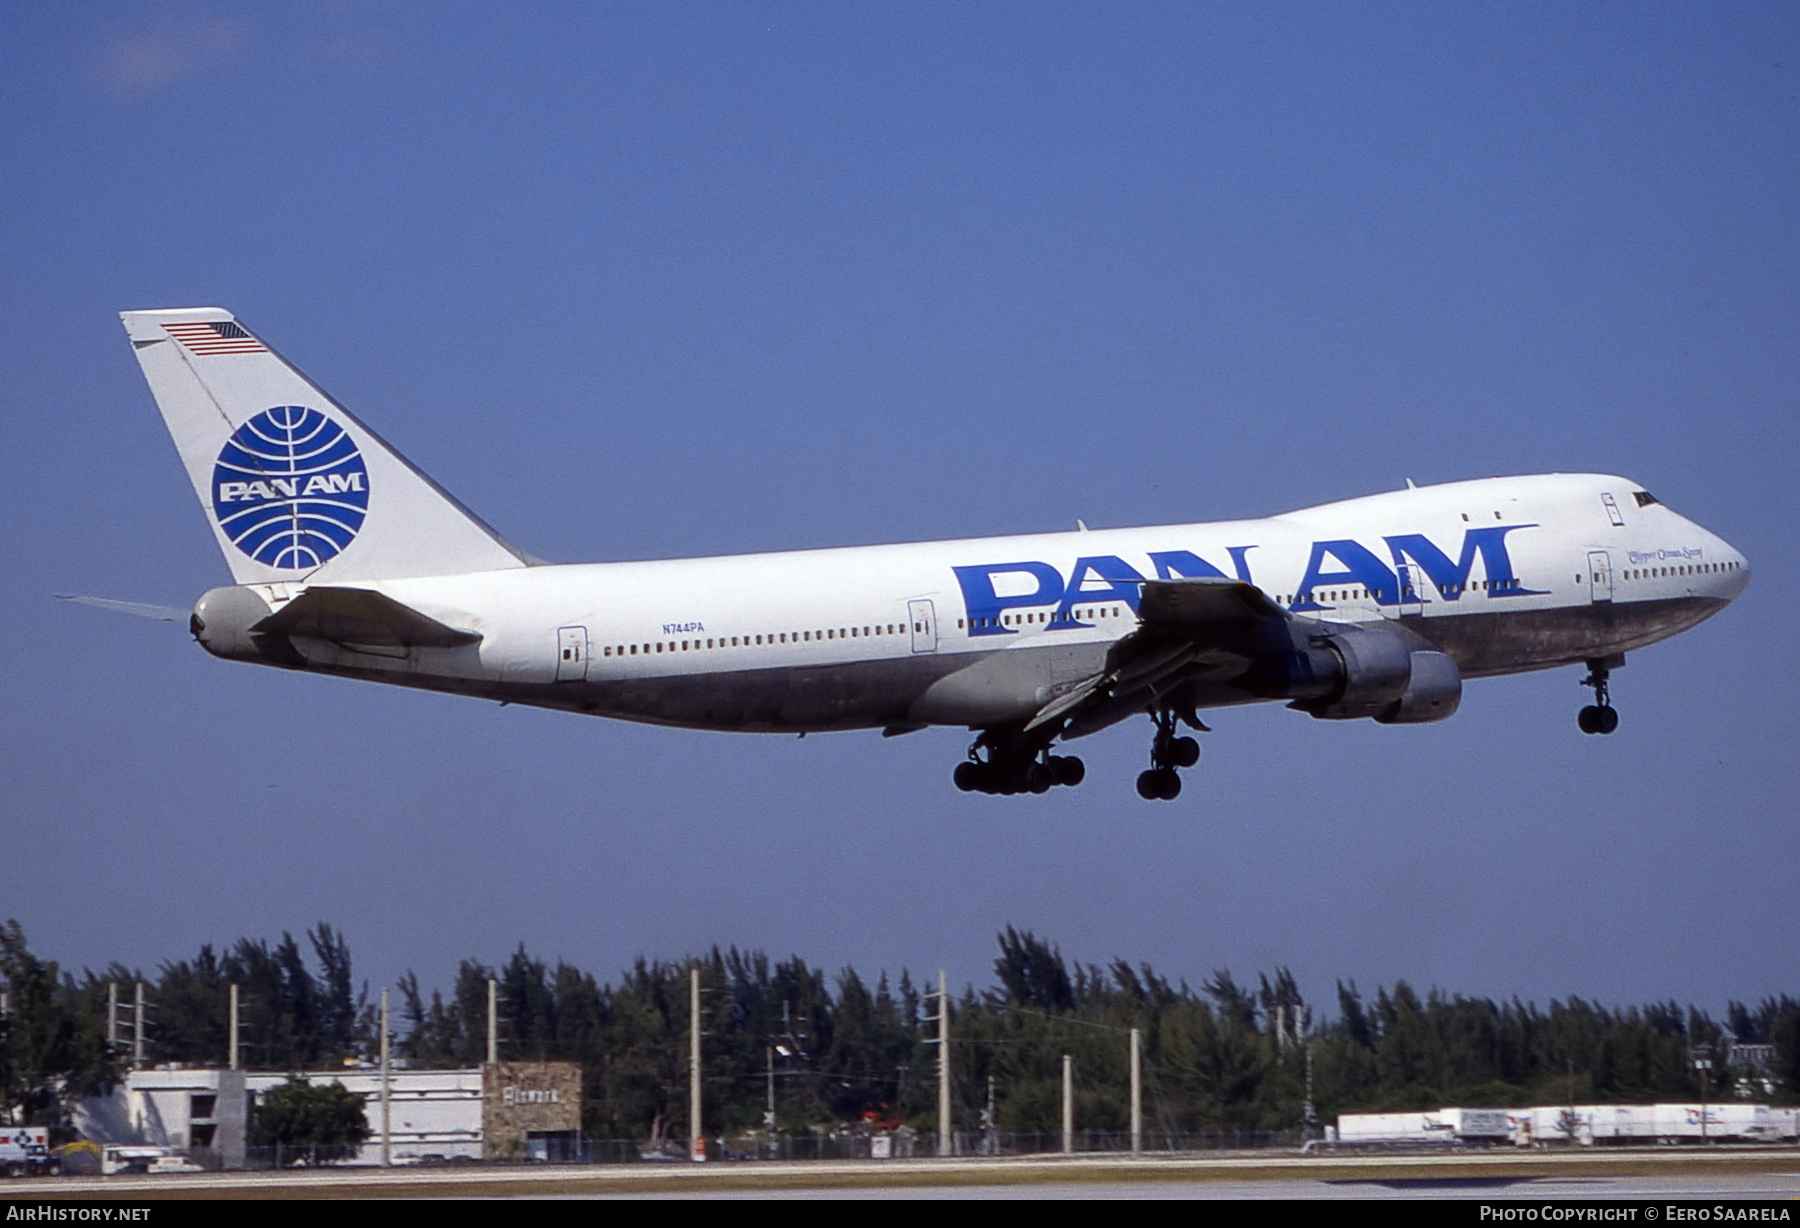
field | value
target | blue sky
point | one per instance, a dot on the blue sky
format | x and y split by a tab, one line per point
644	281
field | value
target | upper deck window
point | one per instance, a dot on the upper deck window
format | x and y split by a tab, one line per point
1644	498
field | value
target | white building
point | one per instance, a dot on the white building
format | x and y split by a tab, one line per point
431	1113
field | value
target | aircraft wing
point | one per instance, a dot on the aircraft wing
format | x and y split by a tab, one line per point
1189	630
361	616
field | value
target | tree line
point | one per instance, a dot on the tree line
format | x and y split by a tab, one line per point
1225	1055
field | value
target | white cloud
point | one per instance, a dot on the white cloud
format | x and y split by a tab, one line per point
144	62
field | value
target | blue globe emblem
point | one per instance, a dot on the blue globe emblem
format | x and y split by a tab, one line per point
290	489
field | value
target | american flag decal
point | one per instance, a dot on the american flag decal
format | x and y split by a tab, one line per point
215	337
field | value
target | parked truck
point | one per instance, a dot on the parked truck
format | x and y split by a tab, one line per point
25	1152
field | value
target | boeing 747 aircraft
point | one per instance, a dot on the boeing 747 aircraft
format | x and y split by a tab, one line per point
349	561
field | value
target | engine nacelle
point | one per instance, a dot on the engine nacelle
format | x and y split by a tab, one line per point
1374	668
1433	693
1338	672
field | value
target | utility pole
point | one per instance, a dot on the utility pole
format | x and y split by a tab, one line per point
232	1031
697	1139
1703	1064
990	1128
1137	1093
1309	1116
1571	1065
112	1018
137	1028
1068	1105
387	1137
493	1022
769	1112
946	1143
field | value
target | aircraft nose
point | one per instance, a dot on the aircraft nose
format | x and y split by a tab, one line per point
1733	574
1737	574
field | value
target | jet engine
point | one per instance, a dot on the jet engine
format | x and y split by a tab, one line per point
1344	672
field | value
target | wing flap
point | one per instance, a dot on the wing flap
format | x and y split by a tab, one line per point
361	616
1187	628
1204	601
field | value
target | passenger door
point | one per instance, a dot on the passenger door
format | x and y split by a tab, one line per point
1412	597
1600	584
924	625
571	654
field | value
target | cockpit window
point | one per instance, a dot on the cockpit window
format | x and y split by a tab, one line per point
1644	498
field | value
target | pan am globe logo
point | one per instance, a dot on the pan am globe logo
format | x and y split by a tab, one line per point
290	489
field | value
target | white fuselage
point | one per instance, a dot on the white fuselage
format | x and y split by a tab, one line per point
1503	574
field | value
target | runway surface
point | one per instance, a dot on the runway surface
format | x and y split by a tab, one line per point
1726	1174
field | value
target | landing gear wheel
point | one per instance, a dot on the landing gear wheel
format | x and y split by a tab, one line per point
1159	785
1609	719
1004	764
1589	719
1167	752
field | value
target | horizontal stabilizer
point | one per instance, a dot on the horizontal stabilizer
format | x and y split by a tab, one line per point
361	616
139	609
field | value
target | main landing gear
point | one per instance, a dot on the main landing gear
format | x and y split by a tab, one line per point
1600	716
1012	769
1167	753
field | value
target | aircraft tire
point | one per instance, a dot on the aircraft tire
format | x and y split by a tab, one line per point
1039	778
1187	752
1069	770
967	776
1169	785
1589	719
1148	786
1609	720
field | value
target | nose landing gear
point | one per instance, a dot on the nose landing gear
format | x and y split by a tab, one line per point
1167	753
1600	716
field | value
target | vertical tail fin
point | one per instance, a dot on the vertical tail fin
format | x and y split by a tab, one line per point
294	486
